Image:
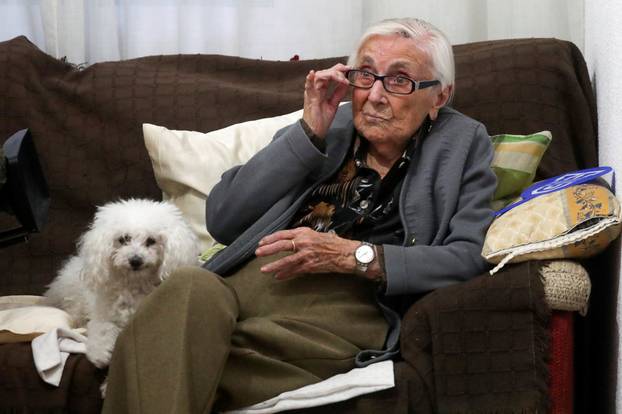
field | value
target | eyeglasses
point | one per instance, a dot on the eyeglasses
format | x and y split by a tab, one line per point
400	85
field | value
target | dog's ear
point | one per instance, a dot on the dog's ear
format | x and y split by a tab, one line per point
181	248
95	248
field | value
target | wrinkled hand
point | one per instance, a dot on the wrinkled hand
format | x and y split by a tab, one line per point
315	253
324	90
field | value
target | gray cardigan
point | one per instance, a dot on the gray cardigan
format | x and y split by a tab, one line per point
444	203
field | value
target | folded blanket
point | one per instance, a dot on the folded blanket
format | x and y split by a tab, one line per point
372	378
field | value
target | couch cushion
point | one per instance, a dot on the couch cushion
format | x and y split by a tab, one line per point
515	163
188	164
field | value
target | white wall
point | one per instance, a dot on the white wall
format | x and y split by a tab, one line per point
603	54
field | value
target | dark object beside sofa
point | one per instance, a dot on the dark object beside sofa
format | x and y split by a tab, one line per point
87	128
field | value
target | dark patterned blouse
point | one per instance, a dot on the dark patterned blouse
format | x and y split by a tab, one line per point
356	203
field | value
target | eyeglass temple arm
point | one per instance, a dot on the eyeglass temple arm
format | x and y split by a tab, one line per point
427	84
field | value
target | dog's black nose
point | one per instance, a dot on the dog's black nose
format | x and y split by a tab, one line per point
136	262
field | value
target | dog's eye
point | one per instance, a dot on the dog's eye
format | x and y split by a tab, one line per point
124	239
150	241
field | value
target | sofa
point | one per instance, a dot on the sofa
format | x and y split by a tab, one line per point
492	344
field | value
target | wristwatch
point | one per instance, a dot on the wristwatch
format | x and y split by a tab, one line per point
364	255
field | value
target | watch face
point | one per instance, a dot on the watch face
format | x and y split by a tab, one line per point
364	254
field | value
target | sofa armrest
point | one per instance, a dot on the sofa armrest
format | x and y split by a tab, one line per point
483	344
22	390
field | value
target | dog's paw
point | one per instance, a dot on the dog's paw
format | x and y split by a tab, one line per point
99	355
101	337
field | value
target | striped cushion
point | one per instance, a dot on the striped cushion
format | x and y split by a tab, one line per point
515	162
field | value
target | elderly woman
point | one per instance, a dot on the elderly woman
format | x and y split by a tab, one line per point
341	221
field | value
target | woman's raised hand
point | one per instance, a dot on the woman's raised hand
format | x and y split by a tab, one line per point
324	90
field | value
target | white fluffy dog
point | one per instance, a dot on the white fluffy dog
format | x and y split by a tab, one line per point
129	249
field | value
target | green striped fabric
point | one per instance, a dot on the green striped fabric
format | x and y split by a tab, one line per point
515	162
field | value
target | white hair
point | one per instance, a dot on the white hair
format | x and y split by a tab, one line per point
430	39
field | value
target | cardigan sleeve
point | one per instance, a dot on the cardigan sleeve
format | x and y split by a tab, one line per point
247	191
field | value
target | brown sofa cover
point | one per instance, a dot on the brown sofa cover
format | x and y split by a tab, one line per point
87	129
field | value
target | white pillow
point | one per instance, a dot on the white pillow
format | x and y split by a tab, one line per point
23	318
188	164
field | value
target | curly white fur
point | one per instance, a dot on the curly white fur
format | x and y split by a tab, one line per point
130	248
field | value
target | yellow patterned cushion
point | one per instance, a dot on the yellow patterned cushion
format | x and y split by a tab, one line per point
575	222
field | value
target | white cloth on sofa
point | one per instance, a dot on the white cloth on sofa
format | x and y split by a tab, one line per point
25	318
51	350
374	377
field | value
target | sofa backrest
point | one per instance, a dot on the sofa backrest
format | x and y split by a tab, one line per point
87	123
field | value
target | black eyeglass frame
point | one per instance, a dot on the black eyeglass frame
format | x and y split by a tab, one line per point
415	85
